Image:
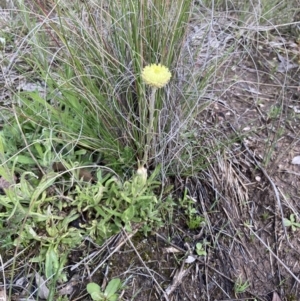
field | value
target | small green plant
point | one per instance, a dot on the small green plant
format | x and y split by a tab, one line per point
291	222
111	204
240	286
110	292
201	248
265	216
194	219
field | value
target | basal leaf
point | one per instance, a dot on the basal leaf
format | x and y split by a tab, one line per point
112	287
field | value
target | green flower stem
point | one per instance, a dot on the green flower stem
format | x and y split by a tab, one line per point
150	130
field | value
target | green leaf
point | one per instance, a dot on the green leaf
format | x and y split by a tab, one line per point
97	296
95	291
93	287
2	143
201	252
112	212
39	149
46	182
52	231
25	160
80	152
112	287
128	214
114	298
125	198
199	245
292	218
51	262
32	233
102	213
128	227
287	222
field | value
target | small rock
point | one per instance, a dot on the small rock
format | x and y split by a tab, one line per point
296	160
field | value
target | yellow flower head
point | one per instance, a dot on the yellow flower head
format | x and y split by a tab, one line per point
156	75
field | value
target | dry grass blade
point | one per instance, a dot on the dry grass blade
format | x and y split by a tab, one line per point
3	292
276	297
180	274
121	241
